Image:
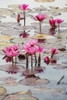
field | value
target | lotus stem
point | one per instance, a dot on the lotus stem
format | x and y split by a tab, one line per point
26	61
24	18
40	26
12	61
58	28
31	61
39	60
35	59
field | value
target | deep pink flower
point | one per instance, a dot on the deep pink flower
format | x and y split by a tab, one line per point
40	17
59	21
47	60
23	7
52	23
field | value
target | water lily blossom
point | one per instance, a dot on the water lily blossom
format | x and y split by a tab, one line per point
40	17
23	7
52	23
59	21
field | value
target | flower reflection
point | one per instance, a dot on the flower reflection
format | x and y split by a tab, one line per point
41	40
48	60
24	35
52	31
29	74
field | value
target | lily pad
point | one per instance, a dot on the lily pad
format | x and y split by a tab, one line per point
2	90
10	83
44	0
20	40
5	38
4	11
42	89
7	78
28	98
58	66
5	44
12	69
34	82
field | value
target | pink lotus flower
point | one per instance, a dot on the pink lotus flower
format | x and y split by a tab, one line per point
26	46
10	52
40	49
40	17
33	42
23	7
32	50
52	51
47	60
52	23
59	21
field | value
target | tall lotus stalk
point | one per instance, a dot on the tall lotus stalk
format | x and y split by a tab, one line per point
40	49
24	7
39	60
35	59
32	61
39	18
27	61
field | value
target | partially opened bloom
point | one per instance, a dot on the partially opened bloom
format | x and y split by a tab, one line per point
52	51
52	23
59	21
47	60
23	7
40	17
18	18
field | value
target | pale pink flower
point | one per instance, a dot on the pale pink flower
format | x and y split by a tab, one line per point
40	49
31	50
23	7
33	42
40	17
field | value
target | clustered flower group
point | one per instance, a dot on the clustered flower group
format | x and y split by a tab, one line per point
31	48
53	23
